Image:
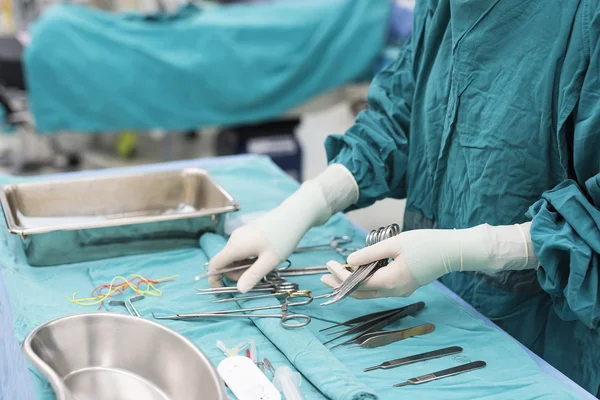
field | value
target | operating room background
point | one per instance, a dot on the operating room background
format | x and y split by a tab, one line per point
99	151
311	133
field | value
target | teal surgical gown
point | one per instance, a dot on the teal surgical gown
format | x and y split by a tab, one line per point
491	114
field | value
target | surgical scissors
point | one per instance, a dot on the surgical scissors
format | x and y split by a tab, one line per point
335	243
285	317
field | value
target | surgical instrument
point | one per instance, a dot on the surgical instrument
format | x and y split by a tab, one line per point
235	266
130	302
448	351
276	287
288	382
362	318
363	272
238	313
122	304
381	338
335	243
377	323
269	366
443	373
300	271
260	296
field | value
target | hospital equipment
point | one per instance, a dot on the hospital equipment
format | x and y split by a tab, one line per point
269	366
516	373
106	358
448	351
284	317
246	380
236	266
363	272
335	243
122	304
288	382
382	338
443	374
260	296
272	287
234	351
377	323
277	273
130	302
356	320
83	219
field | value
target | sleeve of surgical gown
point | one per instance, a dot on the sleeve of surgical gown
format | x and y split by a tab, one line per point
375	148
565	227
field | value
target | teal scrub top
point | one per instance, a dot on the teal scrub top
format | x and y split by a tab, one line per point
491	114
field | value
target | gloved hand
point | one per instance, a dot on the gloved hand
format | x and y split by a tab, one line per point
421	256
274	236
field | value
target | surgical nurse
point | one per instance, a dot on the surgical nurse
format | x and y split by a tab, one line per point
488	123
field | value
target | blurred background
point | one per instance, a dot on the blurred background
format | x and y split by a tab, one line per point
107	83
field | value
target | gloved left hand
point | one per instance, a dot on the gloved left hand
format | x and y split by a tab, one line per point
419	257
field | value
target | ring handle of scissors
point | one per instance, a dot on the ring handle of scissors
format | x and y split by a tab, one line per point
302	319
289	302
286	286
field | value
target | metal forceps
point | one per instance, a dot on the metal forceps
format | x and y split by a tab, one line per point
335	243
236	266
270	287
286	318
287	293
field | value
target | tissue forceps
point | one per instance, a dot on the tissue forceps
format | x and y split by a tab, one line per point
236	266
376	324
285	317
335	243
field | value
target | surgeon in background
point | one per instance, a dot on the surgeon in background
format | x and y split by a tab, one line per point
488	123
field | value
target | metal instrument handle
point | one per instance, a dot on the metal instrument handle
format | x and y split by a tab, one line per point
448	372
289	301
423	356
302	318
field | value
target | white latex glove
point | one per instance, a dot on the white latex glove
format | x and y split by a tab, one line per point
421	256
274	236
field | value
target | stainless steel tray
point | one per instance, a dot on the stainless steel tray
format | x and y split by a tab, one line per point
82	219
95	356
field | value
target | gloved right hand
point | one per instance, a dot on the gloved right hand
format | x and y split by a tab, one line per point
275	235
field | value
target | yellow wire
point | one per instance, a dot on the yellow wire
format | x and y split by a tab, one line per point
90	301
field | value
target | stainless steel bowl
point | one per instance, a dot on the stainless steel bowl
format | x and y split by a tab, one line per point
95	356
